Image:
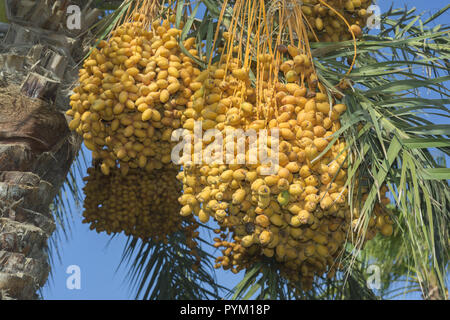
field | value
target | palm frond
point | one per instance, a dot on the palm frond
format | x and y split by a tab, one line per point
163	271
394	144
262	281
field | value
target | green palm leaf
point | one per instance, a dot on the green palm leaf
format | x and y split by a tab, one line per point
164	271
397	143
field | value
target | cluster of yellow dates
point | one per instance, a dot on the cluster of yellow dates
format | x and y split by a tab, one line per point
328	26
297	216
140	203
132	93
133	90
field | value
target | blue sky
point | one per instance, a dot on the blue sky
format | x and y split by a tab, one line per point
98	256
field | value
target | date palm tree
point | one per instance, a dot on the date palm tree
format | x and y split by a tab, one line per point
395	145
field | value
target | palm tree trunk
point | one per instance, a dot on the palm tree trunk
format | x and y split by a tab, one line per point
36	150
37	69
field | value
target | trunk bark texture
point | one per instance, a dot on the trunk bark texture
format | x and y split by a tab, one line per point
38	68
